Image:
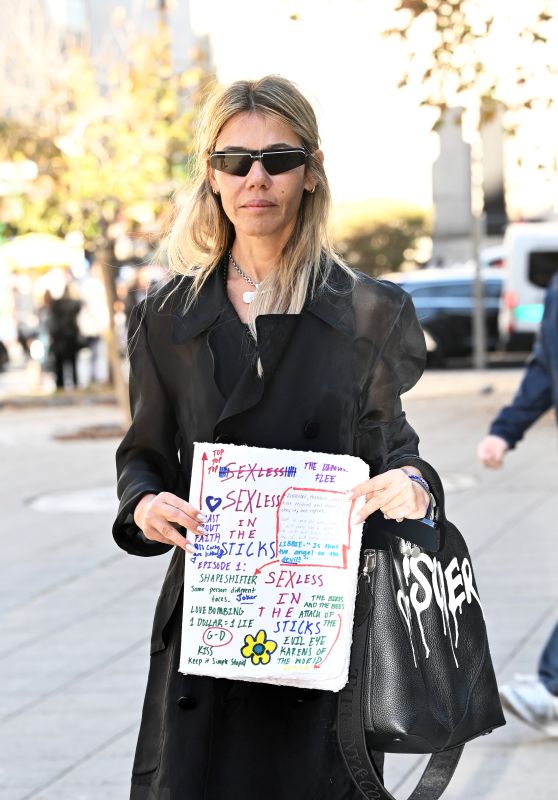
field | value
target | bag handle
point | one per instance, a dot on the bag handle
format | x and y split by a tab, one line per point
424	532
352	739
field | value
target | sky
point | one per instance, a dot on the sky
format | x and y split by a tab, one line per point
377	141
67	13
371	134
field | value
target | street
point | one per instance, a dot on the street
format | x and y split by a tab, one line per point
76	612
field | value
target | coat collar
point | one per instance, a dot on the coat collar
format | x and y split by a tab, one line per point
332	304
203	313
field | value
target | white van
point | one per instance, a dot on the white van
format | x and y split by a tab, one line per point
530	261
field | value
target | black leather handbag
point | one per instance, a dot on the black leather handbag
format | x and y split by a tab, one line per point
421	678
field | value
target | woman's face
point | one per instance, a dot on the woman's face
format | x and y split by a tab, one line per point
260	205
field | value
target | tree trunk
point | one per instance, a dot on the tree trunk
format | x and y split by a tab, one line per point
477	231
115	361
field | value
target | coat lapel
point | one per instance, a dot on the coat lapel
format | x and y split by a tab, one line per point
274	332
203	313
332	305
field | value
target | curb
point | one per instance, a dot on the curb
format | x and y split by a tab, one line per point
55	401
455	383
433	383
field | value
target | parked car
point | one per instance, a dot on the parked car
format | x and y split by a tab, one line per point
444	301
531	260
492	256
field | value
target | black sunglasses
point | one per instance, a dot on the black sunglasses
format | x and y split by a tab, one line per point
273	161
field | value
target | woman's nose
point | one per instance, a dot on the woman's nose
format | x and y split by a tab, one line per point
257	175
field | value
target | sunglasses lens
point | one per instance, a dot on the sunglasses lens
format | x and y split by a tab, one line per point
277	162
273	162
232	163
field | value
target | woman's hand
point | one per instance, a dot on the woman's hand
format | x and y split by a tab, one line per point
394	494
158	515
491	451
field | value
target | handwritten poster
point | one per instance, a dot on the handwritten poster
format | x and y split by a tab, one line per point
270	588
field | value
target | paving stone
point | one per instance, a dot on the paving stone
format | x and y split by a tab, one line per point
76	613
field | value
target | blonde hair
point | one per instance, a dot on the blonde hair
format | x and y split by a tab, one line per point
202	233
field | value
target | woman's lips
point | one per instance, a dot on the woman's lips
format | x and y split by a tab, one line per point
258	204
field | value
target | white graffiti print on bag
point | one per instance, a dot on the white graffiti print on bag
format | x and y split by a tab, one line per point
426	581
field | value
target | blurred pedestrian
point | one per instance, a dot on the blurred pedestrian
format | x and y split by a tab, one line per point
533	699
4	356
44	304
93	320
64	335
138	288
25	312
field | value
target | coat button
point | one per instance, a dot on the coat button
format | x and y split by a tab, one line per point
224	438
187	703
311	430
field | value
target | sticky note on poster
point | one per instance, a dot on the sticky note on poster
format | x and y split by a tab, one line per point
270	588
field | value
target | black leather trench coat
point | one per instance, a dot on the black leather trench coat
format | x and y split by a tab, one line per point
332	379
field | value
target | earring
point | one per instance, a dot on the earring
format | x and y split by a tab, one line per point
312	190
214	190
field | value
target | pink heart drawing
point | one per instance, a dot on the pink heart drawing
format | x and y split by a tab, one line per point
213	502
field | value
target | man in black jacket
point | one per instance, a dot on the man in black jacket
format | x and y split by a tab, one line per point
534	699
64	335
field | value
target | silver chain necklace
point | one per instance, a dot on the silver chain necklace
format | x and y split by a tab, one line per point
246	296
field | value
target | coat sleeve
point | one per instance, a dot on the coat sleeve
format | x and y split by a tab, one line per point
147	459
385	439
532	400
535	394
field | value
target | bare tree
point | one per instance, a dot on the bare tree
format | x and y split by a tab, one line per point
483	56
32	51
108	156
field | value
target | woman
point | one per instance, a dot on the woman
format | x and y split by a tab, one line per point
265	338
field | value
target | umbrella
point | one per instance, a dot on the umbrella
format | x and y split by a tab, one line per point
39	251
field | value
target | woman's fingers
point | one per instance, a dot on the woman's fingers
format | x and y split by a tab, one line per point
184	514
397	506
378	491
170	508
162	513
379	501
412	503
393	493
169	535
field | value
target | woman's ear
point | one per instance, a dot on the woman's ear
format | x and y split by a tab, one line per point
213	183
210	178
310	183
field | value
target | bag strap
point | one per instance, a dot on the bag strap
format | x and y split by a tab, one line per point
352	739
423	532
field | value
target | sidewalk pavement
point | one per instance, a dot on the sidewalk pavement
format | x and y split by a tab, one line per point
24	384
76	611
